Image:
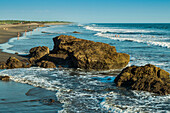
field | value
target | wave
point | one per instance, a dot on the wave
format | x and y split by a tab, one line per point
80	91
135	39
113	30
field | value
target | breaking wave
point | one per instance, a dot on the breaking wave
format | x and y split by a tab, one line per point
94	91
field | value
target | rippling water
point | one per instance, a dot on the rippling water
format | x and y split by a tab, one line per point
94	91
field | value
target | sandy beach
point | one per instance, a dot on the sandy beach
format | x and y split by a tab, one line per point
11	30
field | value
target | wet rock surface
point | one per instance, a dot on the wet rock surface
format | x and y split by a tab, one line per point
146	78
46	64
4	78
38	52
76	32
3	65
13	62
87	54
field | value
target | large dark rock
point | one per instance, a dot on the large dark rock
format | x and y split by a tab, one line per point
3	65
38	52
147	78
87	54
76	32
4	78
13	62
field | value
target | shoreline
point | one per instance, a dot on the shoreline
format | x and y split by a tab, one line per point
9	31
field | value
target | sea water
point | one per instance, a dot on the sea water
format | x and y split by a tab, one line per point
94	91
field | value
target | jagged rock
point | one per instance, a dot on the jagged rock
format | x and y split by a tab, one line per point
38	52
147	78
13	62
3	65
76	32
88	54
46	64
26	63
4	78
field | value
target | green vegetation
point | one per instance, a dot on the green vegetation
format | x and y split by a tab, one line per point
24	22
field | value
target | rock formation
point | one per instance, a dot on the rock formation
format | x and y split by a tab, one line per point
38	52
46	64
146	78
4	78
76	32
3	65
87	54
13	62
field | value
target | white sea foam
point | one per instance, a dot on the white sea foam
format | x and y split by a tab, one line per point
80	91
105	29
6	46
138	39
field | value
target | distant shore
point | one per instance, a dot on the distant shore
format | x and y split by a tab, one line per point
8	31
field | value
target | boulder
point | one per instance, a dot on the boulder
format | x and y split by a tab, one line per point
4	78
146	78
3	65
13	62
76	32
46	64
38	52
87	54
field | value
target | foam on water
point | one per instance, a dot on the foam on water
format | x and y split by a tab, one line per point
82	91
105	29
138	39
6	46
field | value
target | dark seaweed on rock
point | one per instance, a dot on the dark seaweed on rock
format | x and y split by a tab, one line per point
147	78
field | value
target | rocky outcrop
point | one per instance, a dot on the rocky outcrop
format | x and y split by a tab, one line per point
87	54
46	64
13	62
4	78
76	32
3	65
38	52
146	78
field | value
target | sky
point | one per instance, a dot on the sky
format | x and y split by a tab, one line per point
88	11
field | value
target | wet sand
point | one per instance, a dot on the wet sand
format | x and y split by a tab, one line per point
9	31
15	96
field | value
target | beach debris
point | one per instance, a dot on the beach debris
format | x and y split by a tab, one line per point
4	78
146	78
87	54
46	64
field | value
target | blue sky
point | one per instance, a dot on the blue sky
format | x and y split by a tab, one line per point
104	11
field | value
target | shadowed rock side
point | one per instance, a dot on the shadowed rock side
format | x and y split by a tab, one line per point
87	54
46	64
147	78
38	52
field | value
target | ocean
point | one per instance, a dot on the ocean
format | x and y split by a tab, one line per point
94	91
